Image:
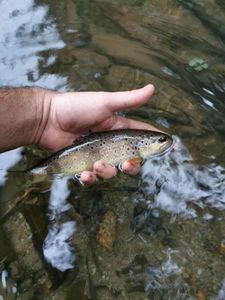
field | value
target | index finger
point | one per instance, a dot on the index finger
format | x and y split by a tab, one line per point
118	101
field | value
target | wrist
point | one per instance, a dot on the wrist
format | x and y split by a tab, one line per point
43	102
23	115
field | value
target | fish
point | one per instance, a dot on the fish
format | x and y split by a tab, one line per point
113	147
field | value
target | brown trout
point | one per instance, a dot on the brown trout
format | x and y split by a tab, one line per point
114	147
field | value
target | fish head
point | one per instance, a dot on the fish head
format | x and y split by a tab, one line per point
154	144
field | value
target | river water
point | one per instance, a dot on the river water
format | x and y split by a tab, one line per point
160	235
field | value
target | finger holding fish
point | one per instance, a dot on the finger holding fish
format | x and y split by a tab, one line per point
131	167
87	178
106	171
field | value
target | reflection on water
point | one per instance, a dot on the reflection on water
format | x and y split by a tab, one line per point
169	241
7	160
27	30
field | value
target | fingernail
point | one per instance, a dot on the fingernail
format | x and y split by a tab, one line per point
150	86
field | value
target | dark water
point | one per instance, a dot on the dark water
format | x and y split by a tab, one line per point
167	225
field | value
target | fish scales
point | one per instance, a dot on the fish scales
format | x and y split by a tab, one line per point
113	147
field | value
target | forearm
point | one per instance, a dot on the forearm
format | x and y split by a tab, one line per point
23	115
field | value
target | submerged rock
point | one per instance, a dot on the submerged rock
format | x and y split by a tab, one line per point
107	231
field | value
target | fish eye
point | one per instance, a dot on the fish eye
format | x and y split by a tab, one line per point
162	139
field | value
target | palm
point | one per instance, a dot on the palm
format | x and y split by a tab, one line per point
73	114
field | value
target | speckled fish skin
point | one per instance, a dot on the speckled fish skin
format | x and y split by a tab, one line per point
113	147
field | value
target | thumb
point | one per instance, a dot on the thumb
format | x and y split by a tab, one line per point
118	101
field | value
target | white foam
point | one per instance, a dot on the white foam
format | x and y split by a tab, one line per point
4	276
56	248
14	289
58	198
175	182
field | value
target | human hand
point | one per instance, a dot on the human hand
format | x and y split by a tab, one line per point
70	115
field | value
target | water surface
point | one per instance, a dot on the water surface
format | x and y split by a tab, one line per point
166	225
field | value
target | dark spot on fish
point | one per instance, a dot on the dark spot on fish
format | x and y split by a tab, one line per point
162	139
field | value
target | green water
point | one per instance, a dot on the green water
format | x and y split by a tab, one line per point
168	227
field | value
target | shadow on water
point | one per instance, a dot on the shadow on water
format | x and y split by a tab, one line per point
159	235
